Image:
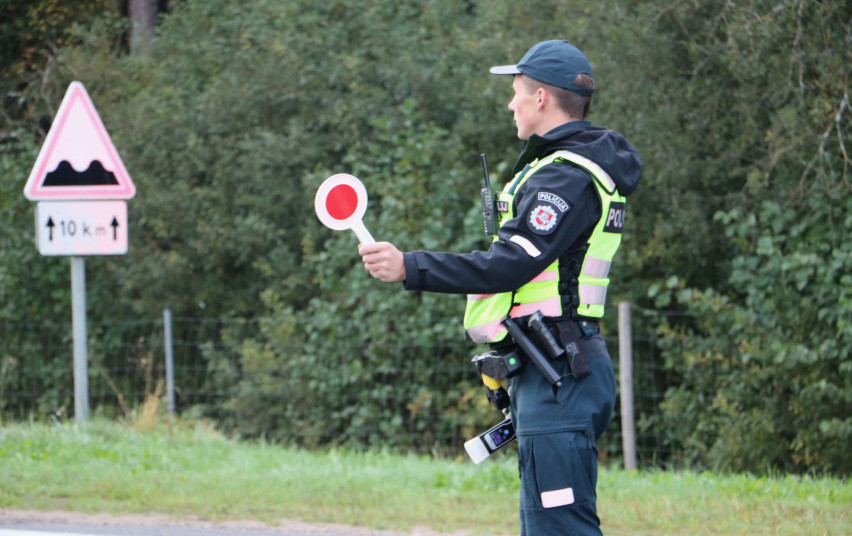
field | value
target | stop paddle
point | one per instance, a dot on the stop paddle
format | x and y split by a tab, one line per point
340	203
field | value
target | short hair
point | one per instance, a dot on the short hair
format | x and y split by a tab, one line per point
570	102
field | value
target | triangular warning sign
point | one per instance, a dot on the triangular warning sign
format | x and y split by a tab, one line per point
78	159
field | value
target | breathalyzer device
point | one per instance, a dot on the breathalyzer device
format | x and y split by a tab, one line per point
486	443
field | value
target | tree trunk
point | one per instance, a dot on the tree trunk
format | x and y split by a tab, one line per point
143	20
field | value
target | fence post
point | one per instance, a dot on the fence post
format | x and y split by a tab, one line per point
170	366
625	373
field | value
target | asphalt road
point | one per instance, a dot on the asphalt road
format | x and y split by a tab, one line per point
36	529
37	523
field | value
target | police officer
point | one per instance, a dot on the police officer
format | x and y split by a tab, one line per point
561	221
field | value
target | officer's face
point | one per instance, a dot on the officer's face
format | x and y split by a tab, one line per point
525	107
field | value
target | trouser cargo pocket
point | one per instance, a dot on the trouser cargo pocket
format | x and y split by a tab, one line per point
558	479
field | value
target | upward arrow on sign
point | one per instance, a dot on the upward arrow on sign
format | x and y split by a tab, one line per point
78	159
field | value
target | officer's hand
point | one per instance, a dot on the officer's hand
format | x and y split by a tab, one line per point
383	261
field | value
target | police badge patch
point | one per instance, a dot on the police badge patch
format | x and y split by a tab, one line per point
544	215
543	219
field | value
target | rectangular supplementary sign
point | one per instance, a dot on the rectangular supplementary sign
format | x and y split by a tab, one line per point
81	227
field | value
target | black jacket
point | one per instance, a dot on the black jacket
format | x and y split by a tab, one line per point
506	265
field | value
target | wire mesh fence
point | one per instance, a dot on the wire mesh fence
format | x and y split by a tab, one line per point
127	367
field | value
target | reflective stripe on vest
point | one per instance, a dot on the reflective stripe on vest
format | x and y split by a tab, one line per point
485	312
603	243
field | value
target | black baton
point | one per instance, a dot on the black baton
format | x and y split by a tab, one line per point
531	350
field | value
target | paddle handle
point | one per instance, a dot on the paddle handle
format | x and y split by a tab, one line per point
362	233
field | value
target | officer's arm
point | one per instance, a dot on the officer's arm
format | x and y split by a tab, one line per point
557	207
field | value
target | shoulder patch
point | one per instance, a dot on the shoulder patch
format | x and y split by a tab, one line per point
546	212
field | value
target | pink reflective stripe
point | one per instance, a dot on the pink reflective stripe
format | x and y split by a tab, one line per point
486	332
489	331
547	275
596	267
548	307
592	295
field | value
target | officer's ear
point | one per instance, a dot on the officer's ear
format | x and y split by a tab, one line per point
544	97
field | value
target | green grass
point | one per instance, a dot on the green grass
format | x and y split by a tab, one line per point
189	470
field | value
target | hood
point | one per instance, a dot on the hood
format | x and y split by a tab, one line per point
609	149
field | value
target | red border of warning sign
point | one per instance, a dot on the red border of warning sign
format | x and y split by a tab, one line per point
64	142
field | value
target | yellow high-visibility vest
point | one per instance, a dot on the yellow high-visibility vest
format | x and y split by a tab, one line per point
485	312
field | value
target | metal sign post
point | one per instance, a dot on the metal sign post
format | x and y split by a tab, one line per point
78	327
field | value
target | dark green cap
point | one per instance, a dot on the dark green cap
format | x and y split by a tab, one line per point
553	62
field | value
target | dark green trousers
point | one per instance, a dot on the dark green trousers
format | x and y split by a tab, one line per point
557	431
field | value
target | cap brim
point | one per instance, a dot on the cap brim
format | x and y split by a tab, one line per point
505	69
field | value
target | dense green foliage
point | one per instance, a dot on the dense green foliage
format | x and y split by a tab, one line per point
769	376
242	108
766	364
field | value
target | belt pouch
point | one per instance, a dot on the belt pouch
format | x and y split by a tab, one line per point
576	362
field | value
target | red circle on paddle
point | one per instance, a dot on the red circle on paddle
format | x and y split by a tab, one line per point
341	202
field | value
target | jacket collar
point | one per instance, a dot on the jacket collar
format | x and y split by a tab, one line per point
537	146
